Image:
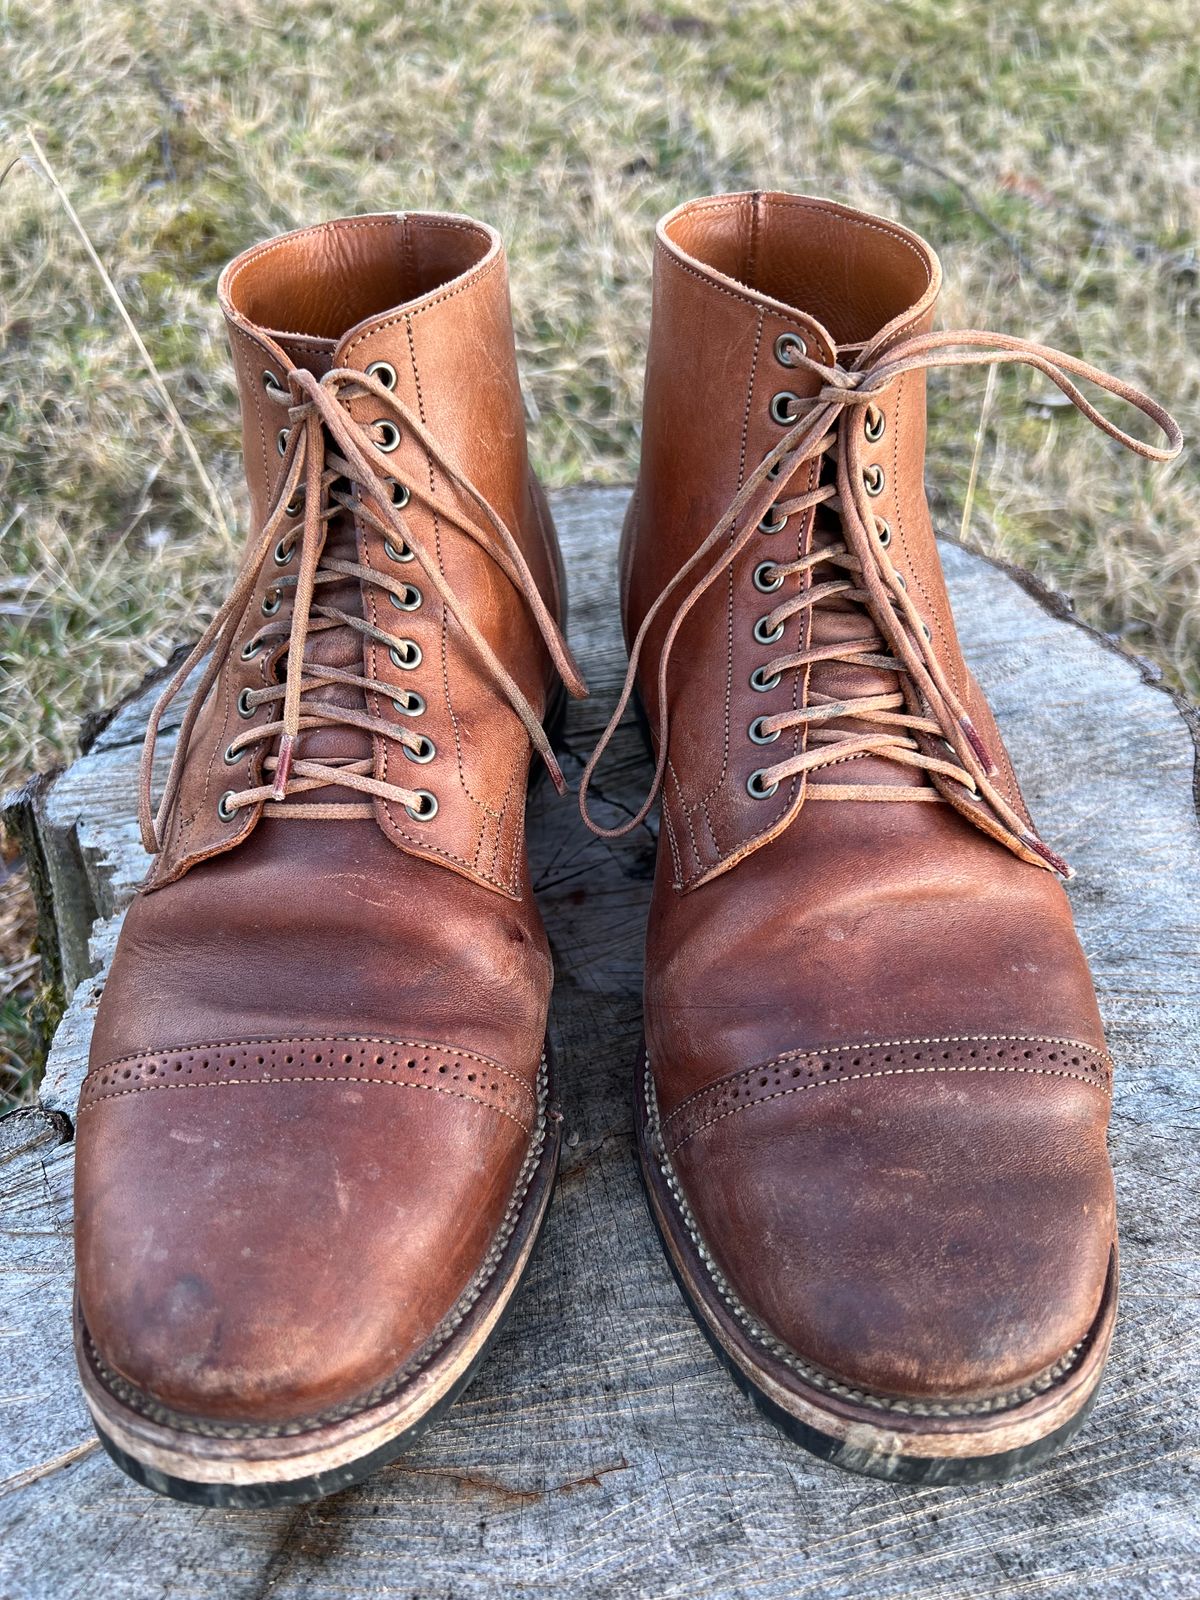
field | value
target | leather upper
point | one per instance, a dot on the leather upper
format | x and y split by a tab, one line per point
926	1227
317	1072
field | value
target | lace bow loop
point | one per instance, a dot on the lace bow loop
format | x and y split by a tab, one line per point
900	726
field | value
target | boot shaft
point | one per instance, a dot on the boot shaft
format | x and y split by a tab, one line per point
744	286
419	304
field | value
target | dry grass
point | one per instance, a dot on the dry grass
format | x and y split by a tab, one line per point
1048	150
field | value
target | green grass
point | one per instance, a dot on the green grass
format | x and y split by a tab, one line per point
1047	150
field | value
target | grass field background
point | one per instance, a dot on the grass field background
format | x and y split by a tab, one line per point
1049	151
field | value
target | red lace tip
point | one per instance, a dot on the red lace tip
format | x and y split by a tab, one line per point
556	777
981	750
283	768
1063	868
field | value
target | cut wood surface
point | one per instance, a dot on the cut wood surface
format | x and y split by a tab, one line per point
601	1451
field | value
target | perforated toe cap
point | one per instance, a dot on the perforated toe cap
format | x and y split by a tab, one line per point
269	1230
930	1220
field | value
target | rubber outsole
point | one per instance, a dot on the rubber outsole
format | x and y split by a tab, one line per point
297	1491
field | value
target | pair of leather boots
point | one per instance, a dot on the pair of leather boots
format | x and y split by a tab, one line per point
318	1137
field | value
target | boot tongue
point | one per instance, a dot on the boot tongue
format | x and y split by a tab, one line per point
340	645
838	620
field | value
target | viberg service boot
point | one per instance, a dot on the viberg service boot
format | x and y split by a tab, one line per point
873	1104
316	1142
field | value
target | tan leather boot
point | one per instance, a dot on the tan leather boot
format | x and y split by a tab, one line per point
316	1142
873	1107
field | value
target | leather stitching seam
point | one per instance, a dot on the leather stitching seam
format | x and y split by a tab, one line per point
146	1406
1042	1381
788	1057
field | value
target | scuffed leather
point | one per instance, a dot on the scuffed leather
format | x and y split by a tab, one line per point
315	1072
936	1232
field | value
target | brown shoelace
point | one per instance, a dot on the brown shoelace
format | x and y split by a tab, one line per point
895	639
326	454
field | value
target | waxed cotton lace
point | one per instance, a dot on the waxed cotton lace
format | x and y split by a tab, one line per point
327	455
899	726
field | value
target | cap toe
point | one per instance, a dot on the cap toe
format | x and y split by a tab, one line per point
928	1229
278	1231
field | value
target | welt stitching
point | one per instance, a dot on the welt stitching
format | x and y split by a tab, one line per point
791	1056
266	1083
887	1072
821	1379
389	1386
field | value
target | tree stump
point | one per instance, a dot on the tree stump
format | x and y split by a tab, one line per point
601	1451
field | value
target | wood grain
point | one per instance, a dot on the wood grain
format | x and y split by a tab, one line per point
601	1452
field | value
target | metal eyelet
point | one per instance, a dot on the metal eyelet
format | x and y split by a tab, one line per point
759	737
874	479
902	581
232	756
283	553
773	472
772	523
384	371
759	680
413	704
296	504
428	807
884	529
244	708
281	440
391	435
275	390
874	424
756	788
764	636
762	582
785	345
410	601
403	554
225	811
425	752
271	606
926	632
411	658
252	648
401	494
783	408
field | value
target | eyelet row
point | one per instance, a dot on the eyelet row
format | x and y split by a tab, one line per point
407	655
785	411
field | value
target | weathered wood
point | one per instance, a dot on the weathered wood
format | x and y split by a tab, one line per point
601	1452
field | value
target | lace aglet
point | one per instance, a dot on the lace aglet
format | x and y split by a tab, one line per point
283	767
981	750
556	776
1063	868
